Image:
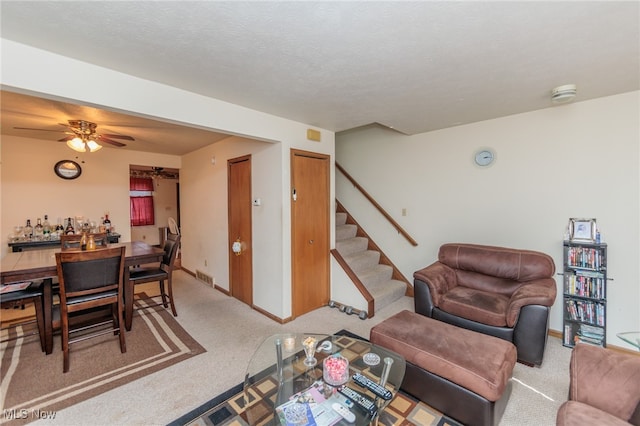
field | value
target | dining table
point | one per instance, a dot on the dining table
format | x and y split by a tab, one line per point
41	265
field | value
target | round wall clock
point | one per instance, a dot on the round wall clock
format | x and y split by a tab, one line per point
484	157
67	169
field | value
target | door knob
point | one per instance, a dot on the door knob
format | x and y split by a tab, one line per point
236	247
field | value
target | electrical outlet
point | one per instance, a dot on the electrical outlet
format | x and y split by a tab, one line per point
404	212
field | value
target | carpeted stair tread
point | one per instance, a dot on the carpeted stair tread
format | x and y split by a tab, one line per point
361	261
341	218
344	232
387	292
378	274
352	245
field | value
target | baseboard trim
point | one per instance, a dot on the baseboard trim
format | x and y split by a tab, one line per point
558	334
271	316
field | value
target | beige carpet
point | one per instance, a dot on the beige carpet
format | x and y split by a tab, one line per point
34	386
230	331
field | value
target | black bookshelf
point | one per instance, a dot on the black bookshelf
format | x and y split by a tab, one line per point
584	293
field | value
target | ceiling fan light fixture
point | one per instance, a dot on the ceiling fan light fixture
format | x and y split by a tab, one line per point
76	144
93	146
563	94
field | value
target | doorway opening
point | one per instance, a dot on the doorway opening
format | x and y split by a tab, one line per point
162	192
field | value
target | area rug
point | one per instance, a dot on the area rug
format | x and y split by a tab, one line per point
33	385
229	407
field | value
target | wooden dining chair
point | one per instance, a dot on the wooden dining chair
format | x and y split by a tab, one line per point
89	280
31	294
73	241
160	273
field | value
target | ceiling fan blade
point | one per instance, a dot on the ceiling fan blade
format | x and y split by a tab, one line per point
66	138
129	138
101	138
40	130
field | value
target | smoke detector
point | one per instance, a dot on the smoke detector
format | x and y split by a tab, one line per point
564	93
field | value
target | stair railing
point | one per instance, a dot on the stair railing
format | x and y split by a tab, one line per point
382	211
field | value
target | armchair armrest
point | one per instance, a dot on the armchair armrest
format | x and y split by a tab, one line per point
539	292
439	277
605	379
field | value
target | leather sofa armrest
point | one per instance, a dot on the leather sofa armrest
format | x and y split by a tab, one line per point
439	277
605	379
538	292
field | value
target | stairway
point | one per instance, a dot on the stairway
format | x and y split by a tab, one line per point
376	277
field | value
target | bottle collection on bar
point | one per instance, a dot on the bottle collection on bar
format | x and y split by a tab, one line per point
44	231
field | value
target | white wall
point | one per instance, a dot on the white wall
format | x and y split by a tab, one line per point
30	188
576	160
205	184
40	73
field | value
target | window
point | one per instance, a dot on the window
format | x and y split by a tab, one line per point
141	196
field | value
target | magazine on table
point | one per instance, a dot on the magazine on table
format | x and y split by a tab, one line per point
8	288
309	408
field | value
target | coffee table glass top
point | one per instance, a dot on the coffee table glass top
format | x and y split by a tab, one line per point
631	337
275	392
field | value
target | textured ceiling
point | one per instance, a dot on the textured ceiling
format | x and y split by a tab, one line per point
413	66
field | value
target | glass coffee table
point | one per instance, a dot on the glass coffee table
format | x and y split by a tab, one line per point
631	337
288	385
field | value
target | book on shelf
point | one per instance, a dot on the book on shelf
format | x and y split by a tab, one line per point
585	257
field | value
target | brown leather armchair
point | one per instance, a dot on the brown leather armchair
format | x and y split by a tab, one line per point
604	388
502	292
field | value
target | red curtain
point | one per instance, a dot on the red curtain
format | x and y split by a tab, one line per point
141	207
140	184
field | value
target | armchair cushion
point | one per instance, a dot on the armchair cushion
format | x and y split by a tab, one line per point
604	379
573	413
476	305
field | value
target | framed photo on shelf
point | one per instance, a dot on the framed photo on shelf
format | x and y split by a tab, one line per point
582	230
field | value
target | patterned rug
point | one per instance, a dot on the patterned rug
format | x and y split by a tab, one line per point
33	385
229	408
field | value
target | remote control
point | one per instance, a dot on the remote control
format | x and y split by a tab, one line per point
344	412
374	387
360	400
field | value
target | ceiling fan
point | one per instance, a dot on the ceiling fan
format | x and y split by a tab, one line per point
155	173
82	135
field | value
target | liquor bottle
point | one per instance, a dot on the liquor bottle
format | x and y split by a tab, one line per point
28	230
69	229
46	228
59	228
38	231
107	223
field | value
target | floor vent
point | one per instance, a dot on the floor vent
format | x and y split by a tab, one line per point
204	277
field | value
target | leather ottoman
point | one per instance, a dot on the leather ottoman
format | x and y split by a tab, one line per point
462	373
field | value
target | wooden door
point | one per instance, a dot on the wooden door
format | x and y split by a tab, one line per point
310	231
239	218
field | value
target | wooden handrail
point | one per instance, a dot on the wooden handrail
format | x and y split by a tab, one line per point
382	211
371	307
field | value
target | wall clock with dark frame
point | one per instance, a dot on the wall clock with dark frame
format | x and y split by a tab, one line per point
67	169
